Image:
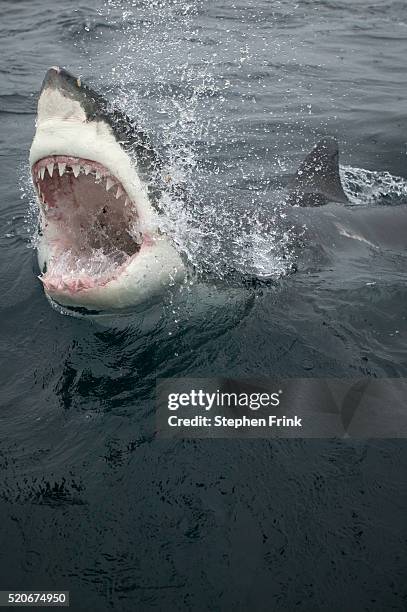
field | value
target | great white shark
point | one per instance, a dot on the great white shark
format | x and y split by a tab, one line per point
99	244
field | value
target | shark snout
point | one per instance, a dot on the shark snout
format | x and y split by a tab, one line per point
60	79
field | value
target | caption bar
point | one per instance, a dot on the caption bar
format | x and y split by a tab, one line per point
283	408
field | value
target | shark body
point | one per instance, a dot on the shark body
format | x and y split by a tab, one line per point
99	244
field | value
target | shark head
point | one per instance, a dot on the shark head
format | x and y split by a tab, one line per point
99	246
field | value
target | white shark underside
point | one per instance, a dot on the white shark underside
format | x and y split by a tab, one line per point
99	245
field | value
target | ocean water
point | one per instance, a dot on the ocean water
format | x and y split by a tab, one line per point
234	94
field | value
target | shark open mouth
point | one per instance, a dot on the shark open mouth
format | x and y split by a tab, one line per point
88	219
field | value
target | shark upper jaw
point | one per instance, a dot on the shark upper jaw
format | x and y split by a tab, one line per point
98	245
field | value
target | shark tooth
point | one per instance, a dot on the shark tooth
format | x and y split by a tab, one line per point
109	184
87	169
61	168
76	169
38	173
98	175
42	173
119	192
50	168
126	202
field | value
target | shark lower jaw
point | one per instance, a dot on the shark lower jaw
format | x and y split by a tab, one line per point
90	227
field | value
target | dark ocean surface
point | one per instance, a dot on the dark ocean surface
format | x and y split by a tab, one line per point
236	94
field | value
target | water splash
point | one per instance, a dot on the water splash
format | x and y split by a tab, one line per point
29	198
367	187
70	265
185	89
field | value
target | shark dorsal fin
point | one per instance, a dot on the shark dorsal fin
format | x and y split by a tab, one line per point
317	180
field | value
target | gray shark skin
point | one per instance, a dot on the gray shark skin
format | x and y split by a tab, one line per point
317	180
